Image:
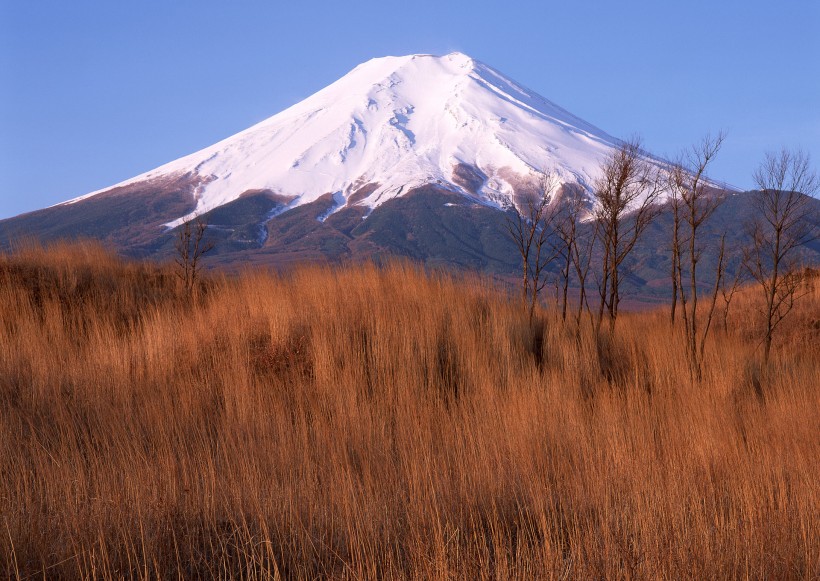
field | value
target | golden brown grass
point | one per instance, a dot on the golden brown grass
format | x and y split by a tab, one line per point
368	423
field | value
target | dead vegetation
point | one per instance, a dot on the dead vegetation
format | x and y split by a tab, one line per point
367	423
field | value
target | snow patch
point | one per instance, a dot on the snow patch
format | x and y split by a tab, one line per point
339	201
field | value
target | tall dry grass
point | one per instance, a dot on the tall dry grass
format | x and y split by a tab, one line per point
366	423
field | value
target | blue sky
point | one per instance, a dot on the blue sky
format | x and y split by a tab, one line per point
92	93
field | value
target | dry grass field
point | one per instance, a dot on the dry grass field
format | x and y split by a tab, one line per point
365	423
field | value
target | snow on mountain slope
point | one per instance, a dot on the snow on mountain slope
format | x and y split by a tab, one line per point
393	124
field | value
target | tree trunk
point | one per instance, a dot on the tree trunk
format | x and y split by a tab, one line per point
675	258
771	295
566	286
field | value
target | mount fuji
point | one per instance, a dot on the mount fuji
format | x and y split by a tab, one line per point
391	125
416	156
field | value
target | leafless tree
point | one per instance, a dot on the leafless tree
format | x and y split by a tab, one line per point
785	221
582	254
566	230
675	203
530	229
190	247
625	197
728	289
694	201
574	247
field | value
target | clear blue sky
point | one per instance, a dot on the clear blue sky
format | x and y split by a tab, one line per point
92	93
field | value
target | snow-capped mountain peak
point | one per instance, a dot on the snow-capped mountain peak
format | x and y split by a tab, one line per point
393	124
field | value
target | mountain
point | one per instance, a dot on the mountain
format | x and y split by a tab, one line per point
416	156
431	147
391	125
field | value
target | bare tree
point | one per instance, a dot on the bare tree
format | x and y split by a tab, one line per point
784	222
728	289
582	253
694	201
574	247
625	197
190	247
675	203
566	229
530	230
